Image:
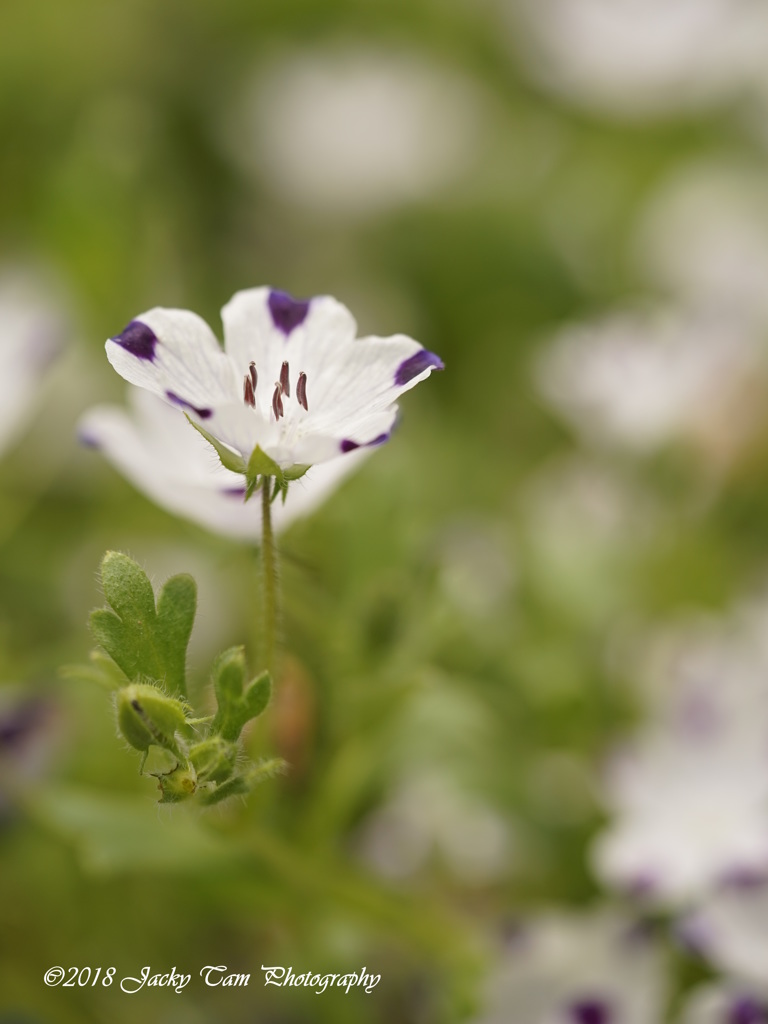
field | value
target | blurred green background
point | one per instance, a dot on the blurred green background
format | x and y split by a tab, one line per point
455	613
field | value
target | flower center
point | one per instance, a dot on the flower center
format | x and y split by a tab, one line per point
282	387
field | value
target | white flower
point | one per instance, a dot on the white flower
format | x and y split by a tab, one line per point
357	130
690	794
31	329
292	387
643	379
641	58
720	1004
430	814
731	931
704	235
689	811
154	446
596	969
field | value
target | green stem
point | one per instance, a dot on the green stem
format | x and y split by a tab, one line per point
270	606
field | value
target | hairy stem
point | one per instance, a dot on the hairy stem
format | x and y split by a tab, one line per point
270	600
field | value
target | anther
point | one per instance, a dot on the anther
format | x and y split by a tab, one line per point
254	375
248	396
301	390
277	401
285	382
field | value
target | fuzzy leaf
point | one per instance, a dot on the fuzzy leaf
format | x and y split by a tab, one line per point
176	607
143	642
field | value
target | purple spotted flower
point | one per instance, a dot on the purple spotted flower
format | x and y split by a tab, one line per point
292	382
151	444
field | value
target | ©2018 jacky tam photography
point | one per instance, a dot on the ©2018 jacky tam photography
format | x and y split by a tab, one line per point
384	512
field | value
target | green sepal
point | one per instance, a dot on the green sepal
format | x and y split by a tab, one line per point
141	640
236	786
295	472
147	716
239	785
229	459
260	464
236	704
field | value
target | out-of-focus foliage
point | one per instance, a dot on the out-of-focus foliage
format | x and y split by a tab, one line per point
576	222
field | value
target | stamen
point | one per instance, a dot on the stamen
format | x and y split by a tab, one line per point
277	401
248	396
285	383
301	390
254	375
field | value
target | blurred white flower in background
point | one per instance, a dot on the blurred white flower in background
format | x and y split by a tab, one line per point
32	331
590	969
430	815
687	812
356	130
704	237
641	58
689	795
731	932
642	379
723	1004
155	447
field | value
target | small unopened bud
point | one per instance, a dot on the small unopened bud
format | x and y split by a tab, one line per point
213	759
177	785
146	716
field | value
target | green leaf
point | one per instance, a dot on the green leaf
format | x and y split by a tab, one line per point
260	464
144	642
237	706
176	607
229	459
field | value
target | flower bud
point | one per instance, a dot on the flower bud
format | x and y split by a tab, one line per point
145	715
177	785
213	759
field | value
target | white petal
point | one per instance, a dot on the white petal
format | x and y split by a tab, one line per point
174	354
165	458
267	327
354	398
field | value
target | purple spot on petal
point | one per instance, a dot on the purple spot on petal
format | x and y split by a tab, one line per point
234	492
287	312
416	364
747	1011
204	414
590	1011
88	440
138	339
641	886
694	936
349	446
